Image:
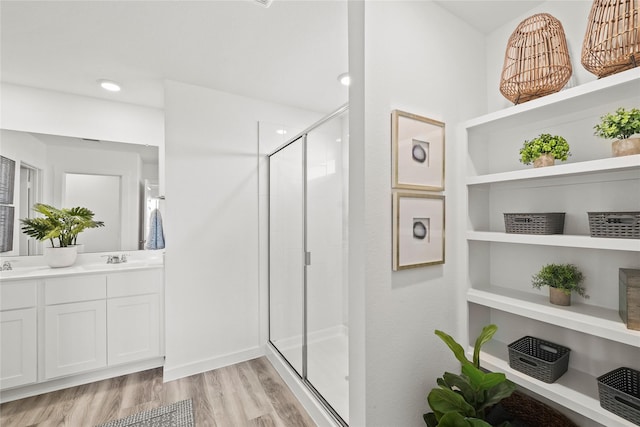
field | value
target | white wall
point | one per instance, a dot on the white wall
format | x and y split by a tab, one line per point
572	14
417	58
215	288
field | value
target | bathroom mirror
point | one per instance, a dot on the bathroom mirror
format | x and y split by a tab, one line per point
110	178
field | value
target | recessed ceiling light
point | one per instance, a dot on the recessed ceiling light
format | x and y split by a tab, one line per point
109	85
344	79
281	132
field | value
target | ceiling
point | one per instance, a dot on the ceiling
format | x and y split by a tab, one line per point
487	15
290	53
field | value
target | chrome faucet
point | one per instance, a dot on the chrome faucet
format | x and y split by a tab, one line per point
6	266
115	259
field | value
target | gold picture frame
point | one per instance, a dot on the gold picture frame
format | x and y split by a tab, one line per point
417	152
418	230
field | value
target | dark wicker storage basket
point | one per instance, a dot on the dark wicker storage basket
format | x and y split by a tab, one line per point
532	412
539	359
534	223
619	392
620	225
612	40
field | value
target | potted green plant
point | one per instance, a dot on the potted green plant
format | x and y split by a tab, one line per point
61	227
465	399
562	280
544	149
621	125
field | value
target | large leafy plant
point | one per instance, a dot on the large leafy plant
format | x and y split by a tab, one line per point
565	277
546	143
463	400
619	125
59	225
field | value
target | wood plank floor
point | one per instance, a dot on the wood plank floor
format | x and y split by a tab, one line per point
246	394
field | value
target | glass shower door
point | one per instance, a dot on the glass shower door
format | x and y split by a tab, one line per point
286	253
327	273
308	235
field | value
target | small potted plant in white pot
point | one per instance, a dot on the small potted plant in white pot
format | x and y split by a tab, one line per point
562	280
621	125
61	227
544	150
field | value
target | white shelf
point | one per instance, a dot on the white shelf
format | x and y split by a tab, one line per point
562	240
619	86
613	164
575	390
589	319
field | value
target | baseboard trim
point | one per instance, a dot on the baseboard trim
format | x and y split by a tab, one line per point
188	369
76	380
316	410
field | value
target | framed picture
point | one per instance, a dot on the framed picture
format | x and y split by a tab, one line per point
417	152
418	230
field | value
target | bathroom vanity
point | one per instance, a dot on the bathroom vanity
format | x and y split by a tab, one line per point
62	327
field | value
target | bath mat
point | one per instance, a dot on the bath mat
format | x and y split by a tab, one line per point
179	414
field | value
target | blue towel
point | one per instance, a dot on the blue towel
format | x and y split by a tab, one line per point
156	234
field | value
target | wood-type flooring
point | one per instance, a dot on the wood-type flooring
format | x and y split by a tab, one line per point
245	394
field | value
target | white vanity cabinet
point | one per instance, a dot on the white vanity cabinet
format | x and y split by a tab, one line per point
69	327
75	326
499	265
133	316
18	333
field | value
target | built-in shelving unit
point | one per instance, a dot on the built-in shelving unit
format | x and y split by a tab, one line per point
499	265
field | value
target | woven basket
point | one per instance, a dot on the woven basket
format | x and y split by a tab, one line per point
533	412
539	359
536	62
534	223
612	40
619	392
617	225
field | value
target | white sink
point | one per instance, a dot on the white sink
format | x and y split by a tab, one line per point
22	271
119	266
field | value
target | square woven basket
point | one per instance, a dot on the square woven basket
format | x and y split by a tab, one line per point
618	225
534	223
619	392
539	359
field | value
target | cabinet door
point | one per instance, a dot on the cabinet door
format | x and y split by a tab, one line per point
18	356
133	328
75	338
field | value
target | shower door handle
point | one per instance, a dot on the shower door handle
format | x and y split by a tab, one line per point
307	258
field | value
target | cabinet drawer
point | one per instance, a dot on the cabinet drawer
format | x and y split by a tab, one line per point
74	289
19	294
130	283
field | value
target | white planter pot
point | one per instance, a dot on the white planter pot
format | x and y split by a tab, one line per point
60	257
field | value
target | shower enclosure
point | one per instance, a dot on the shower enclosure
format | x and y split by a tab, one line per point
308	236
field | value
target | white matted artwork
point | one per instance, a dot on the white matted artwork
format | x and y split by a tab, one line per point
418	230
418	152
